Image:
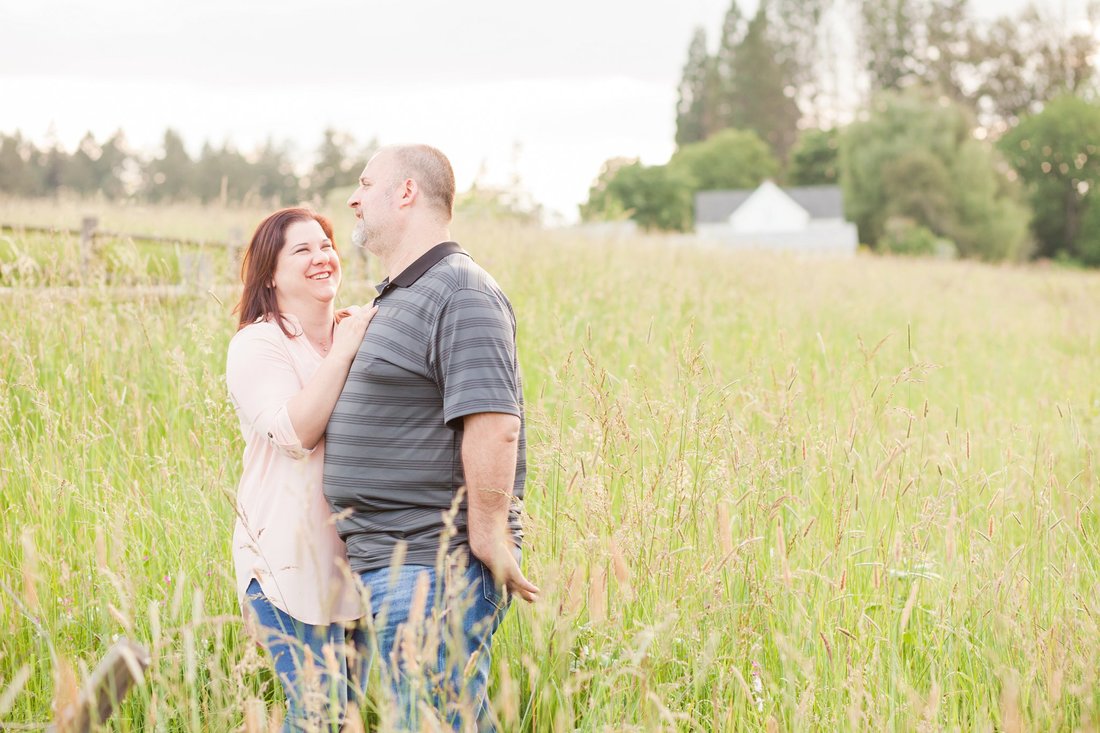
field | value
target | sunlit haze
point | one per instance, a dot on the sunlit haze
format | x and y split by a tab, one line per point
542	92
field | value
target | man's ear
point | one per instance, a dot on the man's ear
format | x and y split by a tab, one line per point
408	193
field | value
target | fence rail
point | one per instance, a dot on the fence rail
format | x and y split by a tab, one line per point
196	268
90	230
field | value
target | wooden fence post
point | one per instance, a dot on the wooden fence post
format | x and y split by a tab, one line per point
88	226
124	666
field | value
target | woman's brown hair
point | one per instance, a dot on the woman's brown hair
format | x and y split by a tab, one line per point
258	268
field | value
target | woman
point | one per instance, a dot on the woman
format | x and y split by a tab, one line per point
285	369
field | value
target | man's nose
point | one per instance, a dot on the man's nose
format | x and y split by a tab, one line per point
353	200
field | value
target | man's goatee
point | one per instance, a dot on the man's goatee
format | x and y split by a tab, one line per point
359	235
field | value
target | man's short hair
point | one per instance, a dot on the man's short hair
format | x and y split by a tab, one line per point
431	170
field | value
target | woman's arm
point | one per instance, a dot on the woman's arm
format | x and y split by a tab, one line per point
310	409
267	393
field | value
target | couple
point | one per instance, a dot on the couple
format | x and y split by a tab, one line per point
376	525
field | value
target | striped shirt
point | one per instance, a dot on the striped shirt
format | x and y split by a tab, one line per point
442	346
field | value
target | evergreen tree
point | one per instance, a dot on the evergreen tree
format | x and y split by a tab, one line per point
720	87
79	173
760	93
222	174
333	167
797	28
691	111
111	166
16	177
49	170
171	175
273	175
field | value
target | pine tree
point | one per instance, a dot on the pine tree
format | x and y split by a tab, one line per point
111	166
333	166
16	176
720	86
797	29
170	176
691	111
761	96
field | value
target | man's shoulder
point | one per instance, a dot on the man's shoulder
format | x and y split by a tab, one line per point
458	272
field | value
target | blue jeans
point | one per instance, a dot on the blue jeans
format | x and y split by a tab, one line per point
318	666
435	662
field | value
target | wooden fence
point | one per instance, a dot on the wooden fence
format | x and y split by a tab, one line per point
196	267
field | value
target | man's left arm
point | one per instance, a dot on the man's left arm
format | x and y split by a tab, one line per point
489	445
477	372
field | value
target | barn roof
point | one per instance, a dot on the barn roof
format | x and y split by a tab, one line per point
822	202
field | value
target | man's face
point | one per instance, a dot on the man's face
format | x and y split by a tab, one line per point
374	206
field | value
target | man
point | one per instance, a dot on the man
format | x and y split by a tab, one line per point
425	448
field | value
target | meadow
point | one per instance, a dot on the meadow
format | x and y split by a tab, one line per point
765	493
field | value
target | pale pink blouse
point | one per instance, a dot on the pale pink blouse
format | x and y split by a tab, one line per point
284	536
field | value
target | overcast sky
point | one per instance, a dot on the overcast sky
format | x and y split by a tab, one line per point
547	91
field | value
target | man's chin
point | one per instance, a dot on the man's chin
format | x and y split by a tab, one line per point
358	238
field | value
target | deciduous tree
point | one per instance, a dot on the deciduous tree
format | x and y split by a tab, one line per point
1057	154
914	157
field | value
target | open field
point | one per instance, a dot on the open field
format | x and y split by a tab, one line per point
764	493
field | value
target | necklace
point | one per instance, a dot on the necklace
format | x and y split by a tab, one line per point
322	344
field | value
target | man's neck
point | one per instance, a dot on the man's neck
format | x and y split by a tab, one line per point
412	247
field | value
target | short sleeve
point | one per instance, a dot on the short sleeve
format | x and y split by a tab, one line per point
474	350
261	381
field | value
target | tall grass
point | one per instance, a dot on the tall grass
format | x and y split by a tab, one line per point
764	494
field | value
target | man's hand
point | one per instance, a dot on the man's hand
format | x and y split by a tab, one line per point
499	558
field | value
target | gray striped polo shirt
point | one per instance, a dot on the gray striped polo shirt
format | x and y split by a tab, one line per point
442	346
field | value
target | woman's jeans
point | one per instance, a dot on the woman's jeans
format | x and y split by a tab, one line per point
432	640
317	665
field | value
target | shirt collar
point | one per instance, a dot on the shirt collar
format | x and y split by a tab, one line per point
425	262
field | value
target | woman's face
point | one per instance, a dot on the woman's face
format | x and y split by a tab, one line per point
308	268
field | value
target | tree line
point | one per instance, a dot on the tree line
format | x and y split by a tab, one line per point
977	137
111	169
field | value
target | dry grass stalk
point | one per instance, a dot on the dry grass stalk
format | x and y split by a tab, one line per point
725	529
255	716
597	594
620	568
781	553
909	604
30	569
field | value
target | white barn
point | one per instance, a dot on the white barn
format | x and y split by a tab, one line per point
806	219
